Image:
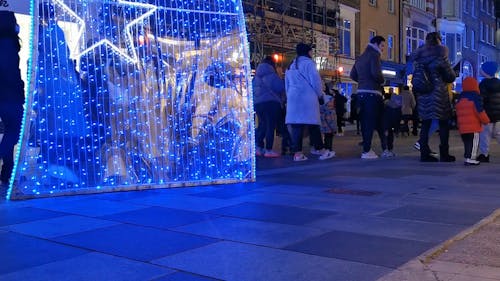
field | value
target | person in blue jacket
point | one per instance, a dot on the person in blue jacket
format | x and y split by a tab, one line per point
269	98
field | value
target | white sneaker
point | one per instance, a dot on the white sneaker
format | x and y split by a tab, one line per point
317	152
417	146
369	155
327	154
472	162
388	154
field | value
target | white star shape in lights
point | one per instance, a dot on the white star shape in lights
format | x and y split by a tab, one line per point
78	19
131	54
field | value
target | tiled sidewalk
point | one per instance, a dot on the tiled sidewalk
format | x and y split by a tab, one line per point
339	219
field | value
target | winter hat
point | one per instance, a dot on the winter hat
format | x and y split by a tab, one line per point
303	49
470	84
489	68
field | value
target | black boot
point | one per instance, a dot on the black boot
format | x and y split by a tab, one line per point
444	155
425	154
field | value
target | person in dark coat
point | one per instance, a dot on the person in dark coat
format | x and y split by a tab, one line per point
490	92
435	104
340	110
11	93
367	71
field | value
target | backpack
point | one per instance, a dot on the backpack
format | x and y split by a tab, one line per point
421	81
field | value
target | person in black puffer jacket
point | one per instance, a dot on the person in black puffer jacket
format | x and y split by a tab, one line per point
435	104
12	91
490	92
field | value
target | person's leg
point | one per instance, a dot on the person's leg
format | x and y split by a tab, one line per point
415	122
260	131
296	133
385	130
390	139
434	127
475	146
272	112
425	151
467	139
444	135
370	118
339	123
11	115
485	139
315	136
328	143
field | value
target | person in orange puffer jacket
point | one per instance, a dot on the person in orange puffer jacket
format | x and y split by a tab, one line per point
470	117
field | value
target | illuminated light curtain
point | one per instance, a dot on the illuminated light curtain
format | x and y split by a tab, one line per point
135	94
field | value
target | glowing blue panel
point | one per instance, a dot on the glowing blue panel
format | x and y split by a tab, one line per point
135	94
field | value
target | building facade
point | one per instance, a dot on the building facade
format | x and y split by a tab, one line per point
479	42
383	18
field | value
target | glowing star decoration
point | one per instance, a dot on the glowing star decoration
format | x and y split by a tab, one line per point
129	95
77	19
131	55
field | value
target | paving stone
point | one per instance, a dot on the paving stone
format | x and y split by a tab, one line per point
90	207
235	261
159	217
9	216
58	226
19	252
389	227
369	249
252	232
184	276
185	202
134	242
92	266
437	214
272	213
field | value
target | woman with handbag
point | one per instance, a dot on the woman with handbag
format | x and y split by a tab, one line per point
304	91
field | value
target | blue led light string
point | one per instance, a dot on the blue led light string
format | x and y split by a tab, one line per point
178	113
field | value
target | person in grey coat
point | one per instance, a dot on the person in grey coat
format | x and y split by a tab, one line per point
304	90
436	104
367	71
269	97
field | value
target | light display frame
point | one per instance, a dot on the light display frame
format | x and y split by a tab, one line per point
130	94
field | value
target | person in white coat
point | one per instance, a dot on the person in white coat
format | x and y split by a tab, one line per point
304	91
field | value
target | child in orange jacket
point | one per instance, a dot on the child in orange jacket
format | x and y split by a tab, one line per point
470	116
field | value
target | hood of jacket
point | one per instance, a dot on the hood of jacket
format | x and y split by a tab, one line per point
264	69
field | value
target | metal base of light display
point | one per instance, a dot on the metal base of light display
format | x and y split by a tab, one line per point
130	95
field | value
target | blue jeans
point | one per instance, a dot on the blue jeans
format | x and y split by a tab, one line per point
296	132
371	108
444	135
269	114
